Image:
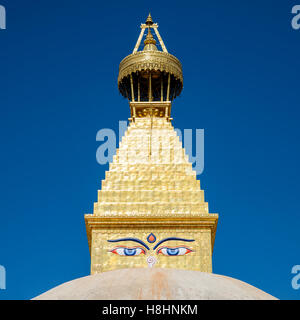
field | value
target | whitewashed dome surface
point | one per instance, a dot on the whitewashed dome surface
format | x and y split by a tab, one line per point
155	284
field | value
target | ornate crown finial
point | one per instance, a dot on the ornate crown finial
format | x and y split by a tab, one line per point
149	21
151	75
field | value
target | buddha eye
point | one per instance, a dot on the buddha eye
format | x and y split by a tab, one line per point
175	251
128	251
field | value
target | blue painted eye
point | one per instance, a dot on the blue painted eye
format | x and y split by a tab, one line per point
172	251
129	252
177	251
125	251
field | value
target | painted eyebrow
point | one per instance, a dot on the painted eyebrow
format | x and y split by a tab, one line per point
131	239
172	239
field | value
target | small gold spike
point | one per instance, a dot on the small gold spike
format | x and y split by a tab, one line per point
149	21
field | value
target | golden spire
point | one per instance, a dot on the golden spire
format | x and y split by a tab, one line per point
150	194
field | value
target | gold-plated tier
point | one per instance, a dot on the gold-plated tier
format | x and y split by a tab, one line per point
152	109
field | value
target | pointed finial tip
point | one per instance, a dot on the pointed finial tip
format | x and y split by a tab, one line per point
149	20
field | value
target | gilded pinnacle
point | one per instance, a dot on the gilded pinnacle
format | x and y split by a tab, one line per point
149	21
150	74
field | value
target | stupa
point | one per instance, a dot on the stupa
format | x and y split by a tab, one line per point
151	219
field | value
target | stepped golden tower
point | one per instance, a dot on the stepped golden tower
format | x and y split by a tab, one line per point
150	211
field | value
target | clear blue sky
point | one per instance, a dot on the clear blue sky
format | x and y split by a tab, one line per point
58	87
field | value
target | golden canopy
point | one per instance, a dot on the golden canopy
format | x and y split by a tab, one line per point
150	74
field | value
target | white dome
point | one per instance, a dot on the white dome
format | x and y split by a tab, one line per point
155	284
